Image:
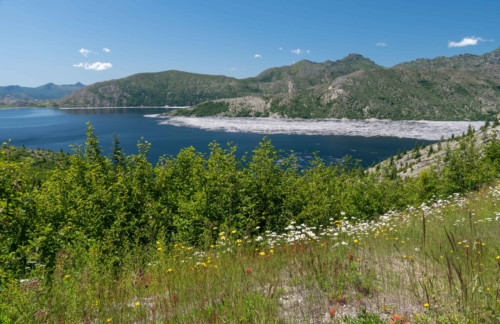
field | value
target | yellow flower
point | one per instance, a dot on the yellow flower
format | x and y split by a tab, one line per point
221	234
262	253
215	228
158	242
109	320
66	276
498	257
271	251
215	266
238	241
459	243
233	232
204	264
159	249
355	241
404	256
137	304
169	270
223	237
426	305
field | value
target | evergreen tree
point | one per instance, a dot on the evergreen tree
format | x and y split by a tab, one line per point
495	122
431	151
117	155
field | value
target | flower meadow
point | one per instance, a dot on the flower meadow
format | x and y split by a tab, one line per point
200	239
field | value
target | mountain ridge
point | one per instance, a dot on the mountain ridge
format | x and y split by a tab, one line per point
49	91
462	87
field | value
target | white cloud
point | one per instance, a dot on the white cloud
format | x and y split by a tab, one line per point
233	69
97	66
84	52
381	44
257	56
106	50
467	41
297	51
308	51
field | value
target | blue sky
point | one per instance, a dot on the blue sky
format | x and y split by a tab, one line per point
40	40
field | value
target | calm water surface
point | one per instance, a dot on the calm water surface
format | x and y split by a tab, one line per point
57	129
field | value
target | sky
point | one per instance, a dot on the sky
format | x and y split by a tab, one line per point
88	41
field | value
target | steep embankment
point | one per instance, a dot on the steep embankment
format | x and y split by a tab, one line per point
412	163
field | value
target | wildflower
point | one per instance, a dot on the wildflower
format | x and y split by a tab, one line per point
426	305
215	228
248	271
396	317
404	256
158	242
159	249
498	258
215	266
351	256
109	320
262	253
169	270
66	276
233	232
137	304
332	311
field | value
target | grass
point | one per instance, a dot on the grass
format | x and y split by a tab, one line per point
439	263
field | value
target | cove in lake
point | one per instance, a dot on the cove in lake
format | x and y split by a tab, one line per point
57	129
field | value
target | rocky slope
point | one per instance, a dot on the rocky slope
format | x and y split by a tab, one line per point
412	163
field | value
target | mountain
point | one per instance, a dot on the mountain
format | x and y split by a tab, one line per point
459	62
176	88
462	87
49	91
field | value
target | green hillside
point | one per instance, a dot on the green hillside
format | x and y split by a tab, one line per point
90	239
176	88
48	91
463	87
464	61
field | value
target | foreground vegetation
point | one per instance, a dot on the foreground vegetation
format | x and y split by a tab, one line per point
220	240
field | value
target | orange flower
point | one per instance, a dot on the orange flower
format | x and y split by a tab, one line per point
332	311
248	271
351	256
396	317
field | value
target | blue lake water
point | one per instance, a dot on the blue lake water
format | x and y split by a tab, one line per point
57	129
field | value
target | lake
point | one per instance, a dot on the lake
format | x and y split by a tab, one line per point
56	129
